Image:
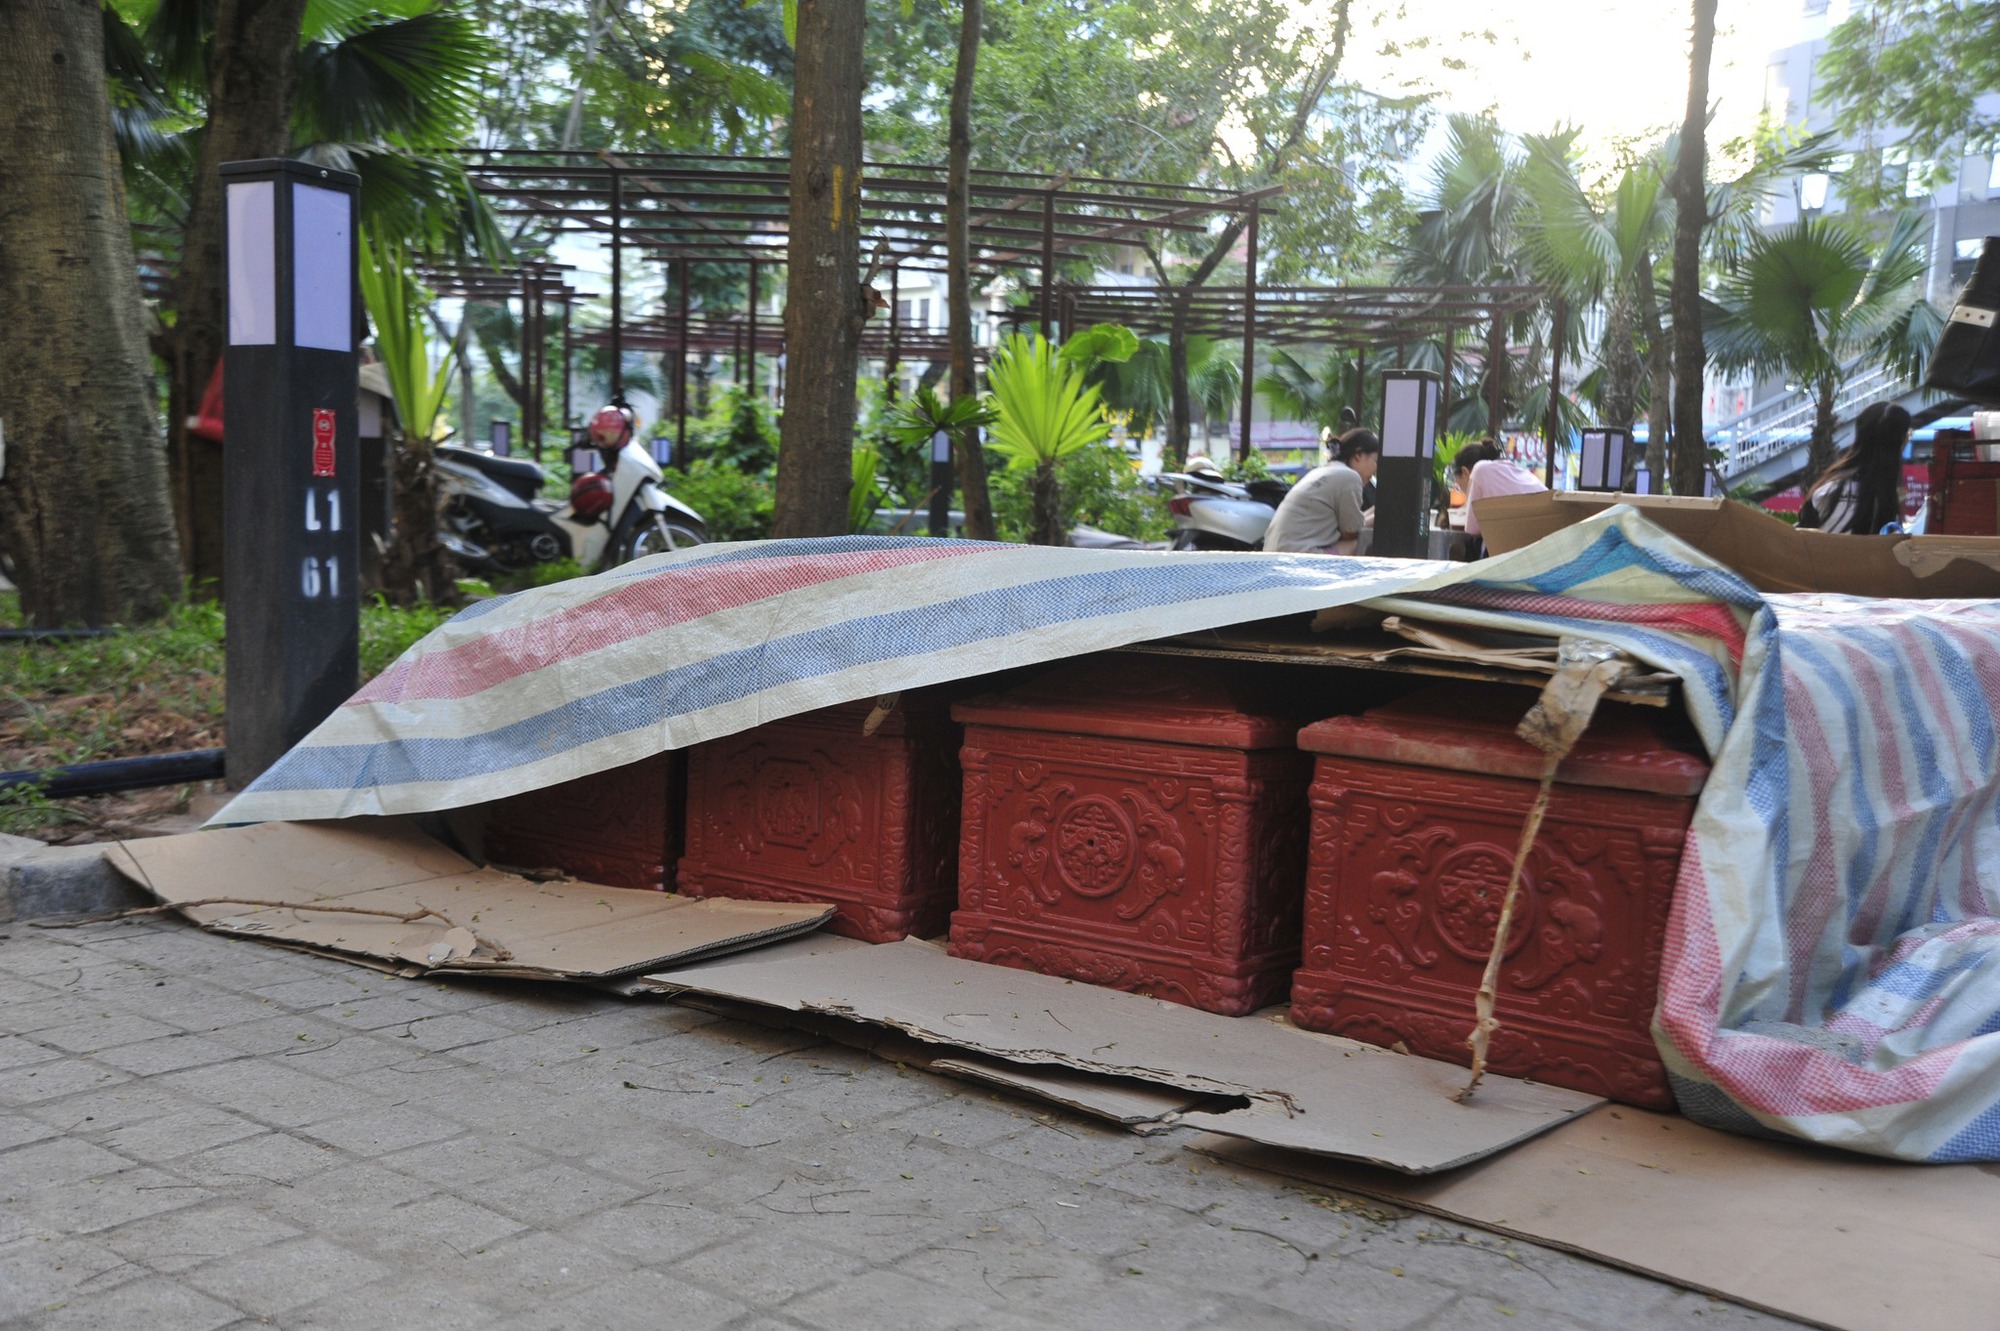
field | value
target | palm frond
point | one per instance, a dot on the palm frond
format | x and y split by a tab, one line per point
1045	410
412	81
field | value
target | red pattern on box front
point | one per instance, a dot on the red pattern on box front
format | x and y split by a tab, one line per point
621	828
1125	834
1408	864
810	809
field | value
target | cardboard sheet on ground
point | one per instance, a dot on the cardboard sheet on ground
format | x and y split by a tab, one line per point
385	892
1310	1093
1138	1105
1838	1240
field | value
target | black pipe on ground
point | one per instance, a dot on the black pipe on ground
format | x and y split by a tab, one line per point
54	635
107	778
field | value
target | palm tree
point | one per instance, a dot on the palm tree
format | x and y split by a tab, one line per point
1045	412
380	91
1811	298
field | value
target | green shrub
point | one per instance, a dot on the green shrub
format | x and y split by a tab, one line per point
1098	488
388	630
734	505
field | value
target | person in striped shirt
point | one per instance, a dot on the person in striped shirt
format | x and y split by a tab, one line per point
1861	493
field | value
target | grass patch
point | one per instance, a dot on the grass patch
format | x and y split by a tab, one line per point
153	689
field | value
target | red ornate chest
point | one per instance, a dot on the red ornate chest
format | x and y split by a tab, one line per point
621	828
1417	810
1137	826
810	809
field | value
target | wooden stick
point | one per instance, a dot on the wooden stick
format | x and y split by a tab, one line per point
1482	1003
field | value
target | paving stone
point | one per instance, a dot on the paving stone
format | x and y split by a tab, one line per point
549	1195
285	1275
772	1271
383	1130
881	1297
533	1268
105	1030
19	1052
657	1229
274	1159
17	1129
46	1081
170	1053
272	1093
637	1301
39	1271
464	1160
58	1161
100	1202
181	1240
155	1304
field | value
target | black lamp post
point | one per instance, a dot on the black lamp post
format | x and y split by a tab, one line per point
1410	402
291	495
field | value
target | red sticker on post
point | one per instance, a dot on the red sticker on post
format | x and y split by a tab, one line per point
322	441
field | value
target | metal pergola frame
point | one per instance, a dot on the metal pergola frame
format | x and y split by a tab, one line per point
679	209
1352	318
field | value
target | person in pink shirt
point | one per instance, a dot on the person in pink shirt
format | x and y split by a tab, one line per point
1479	472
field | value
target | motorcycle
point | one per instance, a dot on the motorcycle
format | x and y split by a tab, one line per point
1211	513
496	519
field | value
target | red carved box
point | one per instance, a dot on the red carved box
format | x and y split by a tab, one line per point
1417	811
621	828
810	809
1136	826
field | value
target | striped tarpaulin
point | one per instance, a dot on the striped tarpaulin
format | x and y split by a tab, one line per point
1834	952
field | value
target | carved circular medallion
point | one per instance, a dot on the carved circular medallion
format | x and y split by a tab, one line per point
1465	906
1094	845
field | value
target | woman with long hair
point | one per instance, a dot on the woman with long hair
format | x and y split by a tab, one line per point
1861	492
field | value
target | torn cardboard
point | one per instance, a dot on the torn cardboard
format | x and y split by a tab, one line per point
1838	1240
380	892
1139	1106
1771	555
1319	1094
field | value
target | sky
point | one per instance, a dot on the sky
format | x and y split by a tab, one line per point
1617	68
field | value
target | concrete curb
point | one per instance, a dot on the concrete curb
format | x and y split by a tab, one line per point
38	880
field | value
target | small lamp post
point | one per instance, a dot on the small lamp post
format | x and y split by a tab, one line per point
291	493
941	484
1601	457
500	437
1410	401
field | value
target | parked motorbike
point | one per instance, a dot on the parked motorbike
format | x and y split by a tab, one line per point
1211	513
496	519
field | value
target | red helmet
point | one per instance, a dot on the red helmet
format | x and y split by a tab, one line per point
611	428
590	496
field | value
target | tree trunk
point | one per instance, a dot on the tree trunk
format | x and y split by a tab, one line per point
823	307
1045	497
966	449
253	66
84	504
1690	461
1180	409
1621	363
1819	452
1660	377
416	566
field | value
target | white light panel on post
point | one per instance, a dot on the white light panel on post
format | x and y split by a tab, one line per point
1601	458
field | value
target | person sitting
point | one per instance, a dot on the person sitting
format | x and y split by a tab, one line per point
1324	513
1479	472
1860	493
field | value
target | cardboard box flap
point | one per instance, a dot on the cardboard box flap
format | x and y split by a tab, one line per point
1315	1093
380	889
1771	555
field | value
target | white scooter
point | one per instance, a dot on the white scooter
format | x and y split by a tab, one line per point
496	520
1211	513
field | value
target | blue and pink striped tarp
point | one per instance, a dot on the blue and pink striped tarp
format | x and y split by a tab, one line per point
1833	969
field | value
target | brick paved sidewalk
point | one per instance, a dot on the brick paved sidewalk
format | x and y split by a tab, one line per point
199	1133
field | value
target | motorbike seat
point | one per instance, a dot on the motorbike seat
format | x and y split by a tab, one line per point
519	475
1268	491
